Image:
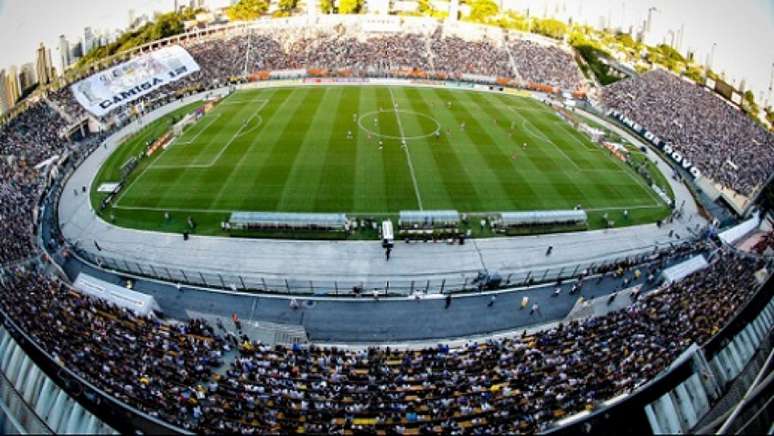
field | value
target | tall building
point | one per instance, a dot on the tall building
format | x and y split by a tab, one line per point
3	99
76	51
89	40
43	65
11	86
64	52
454	10
27	76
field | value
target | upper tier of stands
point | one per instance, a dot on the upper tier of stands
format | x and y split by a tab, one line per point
353	53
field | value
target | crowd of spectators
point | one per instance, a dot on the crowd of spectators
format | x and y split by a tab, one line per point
518	384
28	140
176	371
341	50
454	55
63	98
139	360
719	139
546	65
18	196
32	136
219	59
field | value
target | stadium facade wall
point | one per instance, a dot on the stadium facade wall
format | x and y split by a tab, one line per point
33	402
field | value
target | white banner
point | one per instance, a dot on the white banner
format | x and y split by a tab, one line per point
127	82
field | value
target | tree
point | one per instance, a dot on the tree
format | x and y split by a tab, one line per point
513	20
350	6
749	104
550	27
287	5
326	6
671	53
626	40
247	10
165	25
483	10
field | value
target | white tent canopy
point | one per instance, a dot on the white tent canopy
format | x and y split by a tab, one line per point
244	220
137	302
543	217
429	217
734	234
684	269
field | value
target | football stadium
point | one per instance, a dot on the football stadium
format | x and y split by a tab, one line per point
443	217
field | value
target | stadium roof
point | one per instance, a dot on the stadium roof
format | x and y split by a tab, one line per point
278	219
429	216
542	217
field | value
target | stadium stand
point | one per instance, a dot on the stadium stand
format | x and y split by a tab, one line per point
519	384
722	141
351	52
176	371
545	64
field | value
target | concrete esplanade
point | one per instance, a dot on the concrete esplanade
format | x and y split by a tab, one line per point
348	263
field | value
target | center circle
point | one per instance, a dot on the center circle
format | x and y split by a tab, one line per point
364	119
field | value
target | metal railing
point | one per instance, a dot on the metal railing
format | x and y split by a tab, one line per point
461	282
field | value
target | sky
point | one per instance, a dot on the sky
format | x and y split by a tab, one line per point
743	30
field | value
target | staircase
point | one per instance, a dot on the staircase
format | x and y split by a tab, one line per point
516	74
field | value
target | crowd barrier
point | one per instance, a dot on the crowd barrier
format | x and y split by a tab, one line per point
462	282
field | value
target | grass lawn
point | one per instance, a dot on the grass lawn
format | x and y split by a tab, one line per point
317	149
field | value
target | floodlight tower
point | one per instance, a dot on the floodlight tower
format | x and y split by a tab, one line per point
711	56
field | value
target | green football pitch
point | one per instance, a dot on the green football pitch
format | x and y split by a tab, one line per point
371	150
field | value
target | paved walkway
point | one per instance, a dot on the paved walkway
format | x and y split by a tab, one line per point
345	263
385	321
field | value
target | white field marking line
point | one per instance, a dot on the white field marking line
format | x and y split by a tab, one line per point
233	172
235	169
381	135
642	206
192	140
521	107
176	209
625	170
128	188
173	209
152	164
235	102
640	182
222	150
405	149
572	133
523	123
255	126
